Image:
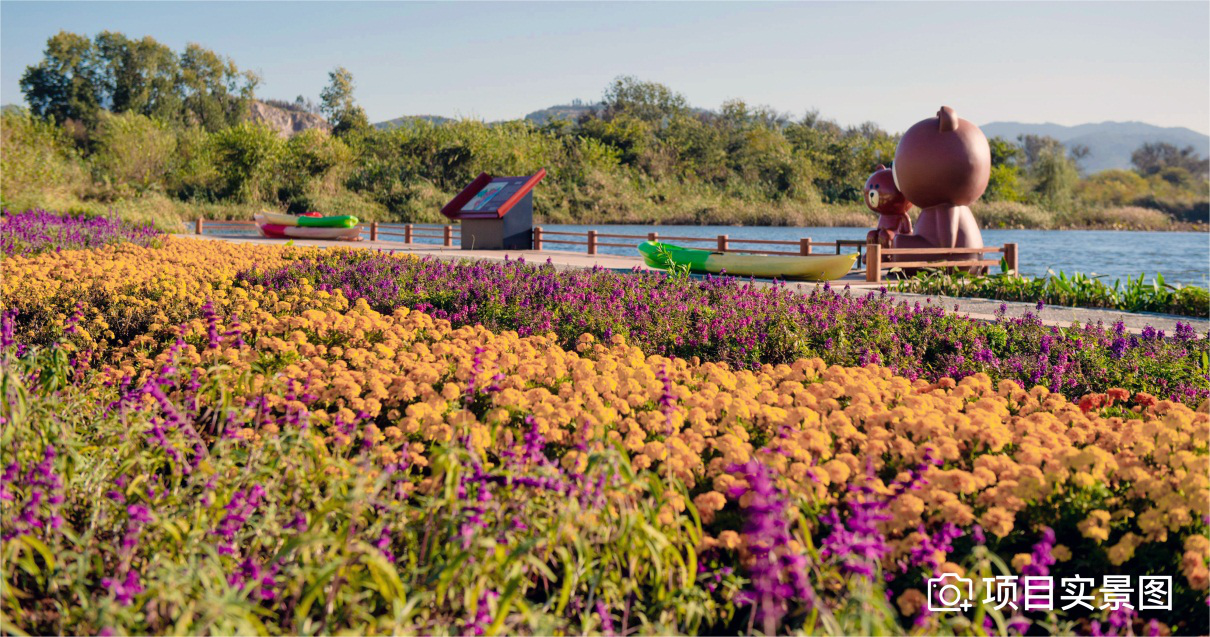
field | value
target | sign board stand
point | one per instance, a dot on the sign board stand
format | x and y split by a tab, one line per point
513	231
496	213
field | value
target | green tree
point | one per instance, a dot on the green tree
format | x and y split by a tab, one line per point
65	84
1054	176
338	104
1035	147
139	76
78	77
647	101
1153	158
216	94
1004	183
633	137
699	147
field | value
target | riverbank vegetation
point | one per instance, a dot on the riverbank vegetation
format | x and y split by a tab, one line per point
210	437
134	127
1077	290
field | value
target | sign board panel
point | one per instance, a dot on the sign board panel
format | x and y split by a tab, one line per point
490	197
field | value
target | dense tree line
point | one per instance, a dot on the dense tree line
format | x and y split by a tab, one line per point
126	117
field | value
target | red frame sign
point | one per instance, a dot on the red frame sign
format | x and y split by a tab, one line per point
490	197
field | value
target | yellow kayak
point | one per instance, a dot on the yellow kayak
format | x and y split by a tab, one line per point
809	268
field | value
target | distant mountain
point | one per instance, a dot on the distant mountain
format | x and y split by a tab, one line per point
400	121
563	111
1109	143
538	118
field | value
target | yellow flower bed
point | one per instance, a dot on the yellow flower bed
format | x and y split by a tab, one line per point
122	288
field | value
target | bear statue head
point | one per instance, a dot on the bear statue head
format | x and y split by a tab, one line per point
944	160
882	196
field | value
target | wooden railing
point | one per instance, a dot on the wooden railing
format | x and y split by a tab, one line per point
876	257
942	258
370	231
721	243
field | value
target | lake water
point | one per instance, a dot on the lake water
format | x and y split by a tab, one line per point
1182	257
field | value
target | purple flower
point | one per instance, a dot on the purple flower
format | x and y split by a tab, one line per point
35	231
779	576
1042	557
124	589
482	619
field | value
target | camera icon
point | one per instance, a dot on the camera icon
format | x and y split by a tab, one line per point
949	593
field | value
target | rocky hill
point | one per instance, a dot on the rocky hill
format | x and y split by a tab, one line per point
287	123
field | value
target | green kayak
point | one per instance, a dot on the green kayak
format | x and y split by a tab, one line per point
303	221
808	268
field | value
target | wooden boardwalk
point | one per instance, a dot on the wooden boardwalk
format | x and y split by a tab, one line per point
980	309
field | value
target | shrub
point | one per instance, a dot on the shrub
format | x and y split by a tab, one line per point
35	157
134	153
313	165
247	157
1059	289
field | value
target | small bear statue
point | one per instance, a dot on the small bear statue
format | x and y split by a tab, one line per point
883	197
942	165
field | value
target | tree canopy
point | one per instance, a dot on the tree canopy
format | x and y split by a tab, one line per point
336	101
1153	158
79	77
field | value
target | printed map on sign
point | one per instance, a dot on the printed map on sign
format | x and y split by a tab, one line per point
480	200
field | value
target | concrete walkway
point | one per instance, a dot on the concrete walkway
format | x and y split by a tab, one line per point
981	309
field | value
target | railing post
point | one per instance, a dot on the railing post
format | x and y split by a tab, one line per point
653	236
804	246
198	228
873	262
592	242
1010	258
537	237
722	243
449	236
373	231
407	233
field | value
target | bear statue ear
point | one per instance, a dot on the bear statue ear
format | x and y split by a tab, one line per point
949	121
880	167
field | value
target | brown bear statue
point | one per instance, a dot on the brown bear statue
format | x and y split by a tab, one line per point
942	165
892	207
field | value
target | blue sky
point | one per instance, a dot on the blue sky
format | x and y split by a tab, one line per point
891	63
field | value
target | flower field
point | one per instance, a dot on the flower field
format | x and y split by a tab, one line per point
206	437
726	320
